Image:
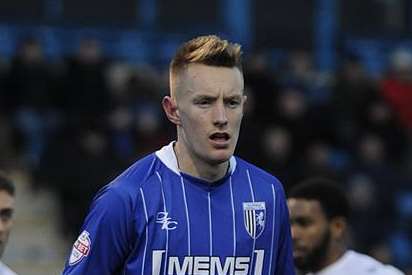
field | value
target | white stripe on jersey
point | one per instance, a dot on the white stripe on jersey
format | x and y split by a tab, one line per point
250	185
147	232
273	229
254	239
151	166
187	215
165	210
233	217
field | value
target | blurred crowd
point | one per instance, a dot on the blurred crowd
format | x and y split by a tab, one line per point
76	122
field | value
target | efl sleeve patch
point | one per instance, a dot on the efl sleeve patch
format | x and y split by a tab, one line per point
81	248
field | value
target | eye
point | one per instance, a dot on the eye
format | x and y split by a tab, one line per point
202	102
233	103
302	222
6	214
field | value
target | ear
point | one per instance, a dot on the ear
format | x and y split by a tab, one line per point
244	100
338	228
170	108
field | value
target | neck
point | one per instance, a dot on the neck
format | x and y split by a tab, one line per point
190	164
335	253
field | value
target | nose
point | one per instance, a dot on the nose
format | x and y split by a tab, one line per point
3	224
294	231
3	228
219	115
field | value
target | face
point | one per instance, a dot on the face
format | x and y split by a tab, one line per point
311	234
209	109
6	215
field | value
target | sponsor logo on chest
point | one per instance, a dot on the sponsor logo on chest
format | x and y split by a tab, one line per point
207	265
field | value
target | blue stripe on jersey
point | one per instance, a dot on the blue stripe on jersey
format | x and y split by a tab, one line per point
273	230
165	211
198	206
233	216
210	225
187	216
155	220
146	230
254	233
250	185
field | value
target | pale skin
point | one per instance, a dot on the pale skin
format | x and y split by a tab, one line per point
206	105
6	218
308	225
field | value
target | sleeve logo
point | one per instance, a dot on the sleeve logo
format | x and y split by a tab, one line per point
81	248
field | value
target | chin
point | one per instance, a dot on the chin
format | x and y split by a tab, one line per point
302	265
221	157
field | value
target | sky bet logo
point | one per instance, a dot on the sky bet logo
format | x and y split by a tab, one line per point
205	265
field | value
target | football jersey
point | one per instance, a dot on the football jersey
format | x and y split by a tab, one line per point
154	219
360	264
5	270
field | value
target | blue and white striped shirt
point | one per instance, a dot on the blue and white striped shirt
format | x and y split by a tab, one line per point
154	219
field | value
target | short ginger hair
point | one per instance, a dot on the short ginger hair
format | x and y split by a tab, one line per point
208	50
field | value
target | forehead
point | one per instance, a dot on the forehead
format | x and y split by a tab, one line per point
6	200
199	78
305	208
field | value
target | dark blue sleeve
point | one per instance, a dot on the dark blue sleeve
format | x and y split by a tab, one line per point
285	264
106	238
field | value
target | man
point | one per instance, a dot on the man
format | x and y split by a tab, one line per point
191	207
6	217
319	212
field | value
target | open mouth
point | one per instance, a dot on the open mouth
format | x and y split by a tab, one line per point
220	137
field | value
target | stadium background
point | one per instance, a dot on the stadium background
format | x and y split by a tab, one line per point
330	94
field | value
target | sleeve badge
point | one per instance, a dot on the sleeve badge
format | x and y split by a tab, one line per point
81	248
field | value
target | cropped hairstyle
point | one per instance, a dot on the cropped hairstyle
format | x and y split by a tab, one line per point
6	184
328	193
207	50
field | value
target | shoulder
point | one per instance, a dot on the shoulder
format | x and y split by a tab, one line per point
258	174
134	177
370	265
125	189
5	270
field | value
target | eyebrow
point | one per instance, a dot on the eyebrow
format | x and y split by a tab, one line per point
234	97
300	219
205	96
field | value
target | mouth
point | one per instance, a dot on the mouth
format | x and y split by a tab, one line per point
299	252
220	138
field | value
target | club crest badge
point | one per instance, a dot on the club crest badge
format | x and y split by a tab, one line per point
81	248
254	214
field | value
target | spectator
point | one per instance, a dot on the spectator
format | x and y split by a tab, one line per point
319	212
31	100
6	217
397	86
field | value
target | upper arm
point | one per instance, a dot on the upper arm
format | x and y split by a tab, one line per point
106	237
